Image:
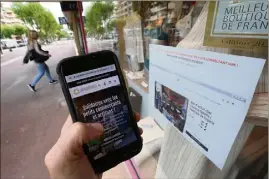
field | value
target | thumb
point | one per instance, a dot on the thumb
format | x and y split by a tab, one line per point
77	135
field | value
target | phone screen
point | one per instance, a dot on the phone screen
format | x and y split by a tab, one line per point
98	96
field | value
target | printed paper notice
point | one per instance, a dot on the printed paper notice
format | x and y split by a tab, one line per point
205	95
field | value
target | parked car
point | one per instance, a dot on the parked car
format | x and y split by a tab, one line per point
8	44
21	43
45	42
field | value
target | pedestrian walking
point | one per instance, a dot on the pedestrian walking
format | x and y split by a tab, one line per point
39	56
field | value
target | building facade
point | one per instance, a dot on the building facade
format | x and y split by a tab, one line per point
8	17
123	9
157	10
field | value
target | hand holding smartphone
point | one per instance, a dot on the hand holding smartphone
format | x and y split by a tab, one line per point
95	91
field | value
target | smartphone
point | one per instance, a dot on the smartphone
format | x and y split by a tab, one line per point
95	91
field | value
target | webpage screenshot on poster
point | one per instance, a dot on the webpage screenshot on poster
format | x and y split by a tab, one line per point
205	95
98	97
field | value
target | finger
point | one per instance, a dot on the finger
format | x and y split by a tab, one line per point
79	134
140	131
137	116
67	124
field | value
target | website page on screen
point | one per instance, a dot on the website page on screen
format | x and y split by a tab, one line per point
98	97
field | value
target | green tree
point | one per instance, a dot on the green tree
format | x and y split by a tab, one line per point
37	17
20	30
111	24
97	16
7	31
48	26
62	34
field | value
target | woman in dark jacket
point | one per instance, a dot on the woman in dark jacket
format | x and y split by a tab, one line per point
39	57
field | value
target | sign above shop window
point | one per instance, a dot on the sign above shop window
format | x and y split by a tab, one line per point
204	95
70	5
237	24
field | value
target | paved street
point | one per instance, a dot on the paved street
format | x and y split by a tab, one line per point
30	122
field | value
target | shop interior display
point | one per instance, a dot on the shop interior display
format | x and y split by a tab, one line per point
133	42
190	163
154	32
167	33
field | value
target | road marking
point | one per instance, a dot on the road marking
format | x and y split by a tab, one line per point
11	61
16	82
